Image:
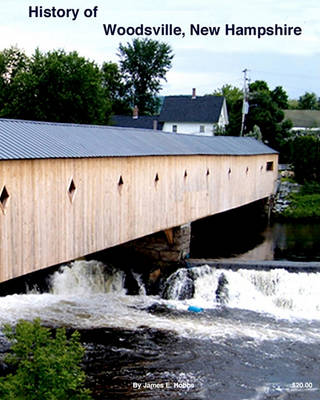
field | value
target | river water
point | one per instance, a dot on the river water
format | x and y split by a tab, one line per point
208	334
244	234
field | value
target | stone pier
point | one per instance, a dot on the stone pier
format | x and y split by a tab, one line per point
158	251
165	247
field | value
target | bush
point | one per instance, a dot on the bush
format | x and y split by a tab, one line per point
47	367
305	152
303	206
310	188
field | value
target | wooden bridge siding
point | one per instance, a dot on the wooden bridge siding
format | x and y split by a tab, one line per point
41	227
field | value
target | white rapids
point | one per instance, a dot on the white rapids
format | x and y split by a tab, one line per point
87	294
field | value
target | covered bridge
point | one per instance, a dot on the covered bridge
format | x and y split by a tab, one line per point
69	190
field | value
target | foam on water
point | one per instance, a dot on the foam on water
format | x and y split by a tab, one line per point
276	292
91	295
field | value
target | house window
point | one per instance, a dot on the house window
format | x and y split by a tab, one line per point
201	128
174	128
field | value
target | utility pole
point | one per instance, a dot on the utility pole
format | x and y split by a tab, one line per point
245	106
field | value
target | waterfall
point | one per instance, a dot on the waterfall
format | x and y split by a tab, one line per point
87	277
278	292
217	329
89	294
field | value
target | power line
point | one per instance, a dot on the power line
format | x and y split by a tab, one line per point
245	105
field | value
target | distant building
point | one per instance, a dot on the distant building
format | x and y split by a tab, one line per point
303	120
136	121
196	115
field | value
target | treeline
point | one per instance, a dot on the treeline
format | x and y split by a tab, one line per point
265	121
308	101
65	87
304	154
265	117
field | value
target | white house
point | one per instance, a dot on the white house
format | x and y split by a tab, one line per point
196	115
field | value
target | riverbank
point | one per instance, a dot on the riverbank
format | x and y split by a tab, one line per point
303	206
294	201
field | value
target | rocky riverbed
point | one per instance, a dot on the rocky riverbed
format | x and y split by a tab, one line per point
282	199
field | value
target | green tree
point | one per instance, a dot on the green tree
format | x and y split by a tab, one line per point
231	93
144	63
293	104
305	156
259	86
12	61
265	111
116	89
280	97
57	86
308	101
47	367
234	100
255	133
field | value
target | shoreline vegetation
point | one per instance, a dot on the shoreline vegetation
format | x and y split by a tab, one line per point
303	204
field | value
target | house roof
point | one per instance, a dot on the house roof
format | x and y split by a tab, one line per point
35	140
126	121
303	118
188	109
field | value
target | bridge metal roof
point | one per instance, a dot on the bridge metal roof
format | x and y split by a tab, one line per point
35	140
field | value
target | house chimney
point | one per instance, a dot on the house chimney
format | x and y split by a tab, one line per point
155	124
194	93
135	112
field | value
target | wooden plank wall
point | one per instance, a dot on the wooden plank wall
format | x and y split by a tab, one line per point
40	226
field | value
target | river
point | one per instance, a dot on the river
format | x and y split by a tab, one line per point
208	334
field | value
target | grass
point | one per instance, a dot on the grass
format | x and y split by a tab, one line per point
303	206
288	179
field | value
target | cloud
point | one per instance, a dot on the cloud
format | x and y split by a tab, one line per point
203	61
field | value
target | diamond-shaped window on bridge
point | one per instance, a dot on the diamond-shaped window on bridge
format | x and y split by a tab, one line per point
4	197
72	190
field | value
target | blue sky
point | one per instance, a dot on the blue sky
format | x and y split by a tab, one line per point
204	62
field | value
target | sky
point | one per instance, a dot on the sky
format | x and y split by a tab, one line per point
205	62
